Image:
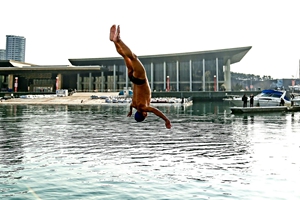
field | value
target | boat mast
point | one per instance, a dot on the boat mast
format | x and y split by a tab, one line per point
299	70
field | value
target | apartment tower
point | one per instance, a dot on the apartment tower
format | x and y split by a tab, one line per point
2	54
15	48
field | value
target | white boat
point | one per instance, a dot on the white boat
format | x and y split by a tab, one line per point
295	94
229	98
263	99
171	101
154	101
295	88
108	100
296	99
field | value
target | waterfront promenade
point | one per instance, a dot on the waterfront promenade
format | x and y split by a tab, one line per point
77	98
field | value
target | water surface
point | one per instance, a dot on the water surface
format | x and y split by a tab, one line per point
96	152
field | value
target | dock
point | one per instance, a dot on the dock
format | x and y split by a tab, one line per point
235	110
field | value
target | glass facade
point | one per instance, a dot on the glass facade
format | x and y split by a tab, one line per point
183	75
197	75
210	72
147	67
158	77
121	76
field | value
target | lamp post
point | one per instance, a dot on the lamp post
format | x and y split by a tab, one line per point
215	83
168	83
16	84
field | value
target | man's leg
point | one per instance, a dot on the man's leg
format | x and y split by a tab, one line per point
134	66
115	37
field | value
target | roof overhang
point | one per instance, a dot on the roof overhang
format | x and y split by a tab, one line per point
234	54
11	67
13	63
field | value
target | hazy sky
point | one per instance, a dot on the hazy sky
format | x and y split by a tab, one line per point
56	30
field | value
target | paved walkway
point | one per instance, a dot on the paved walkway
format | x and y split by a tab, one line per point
76	98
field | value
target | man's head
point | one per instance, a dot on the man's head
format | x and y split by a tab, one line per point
140	116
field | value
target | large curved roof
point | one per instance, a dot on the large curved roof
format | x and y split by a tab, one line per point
234	54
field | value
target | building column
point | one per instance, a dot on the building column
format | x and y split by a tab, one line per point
78	82
90	81
165	75
191	78
10	84
177	75
217	74
115	78
126	78
59	82
1	81
203	76
151	76
227	76
102	82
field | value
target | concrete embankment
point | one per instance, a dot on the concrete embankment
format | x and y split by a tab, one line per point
85	97
203	96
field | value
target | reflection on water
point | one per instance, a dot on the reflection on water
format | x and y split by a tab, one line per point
96	152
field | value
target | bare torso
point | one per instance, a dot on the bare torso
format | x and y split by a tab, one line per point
141	96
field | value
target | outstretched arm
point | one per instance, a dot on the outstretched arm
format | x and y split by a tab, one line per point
130	111
159	114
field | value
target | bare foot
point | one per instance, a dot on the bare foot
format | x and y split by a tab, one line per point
114	33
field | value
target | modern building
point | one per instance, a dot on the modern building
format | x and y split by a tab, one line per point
15	48
2	54
25	77
192	71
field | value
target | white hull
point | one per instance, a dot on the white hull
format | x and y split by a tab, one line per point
264	99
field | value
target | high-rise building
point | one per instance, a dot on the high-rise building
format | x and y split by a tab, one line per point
2	54
15	48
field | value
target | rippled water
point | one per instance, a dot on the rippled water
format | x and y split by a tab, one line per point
96	152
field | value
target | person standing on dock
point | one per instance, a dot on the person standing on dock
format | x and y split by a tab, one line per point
244	99
251	100
137	74
282	102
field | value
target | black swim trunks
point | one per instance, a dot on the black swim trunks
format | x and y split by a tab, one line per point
137	81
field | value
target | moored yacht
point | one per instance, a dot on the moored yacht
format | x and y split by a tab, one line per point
265	98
